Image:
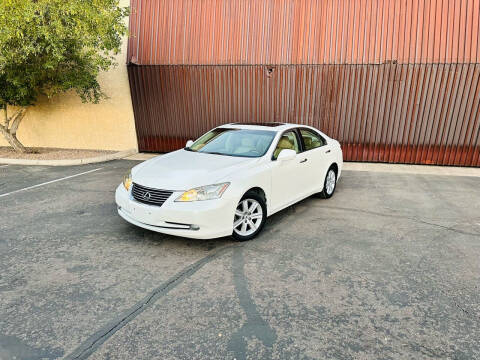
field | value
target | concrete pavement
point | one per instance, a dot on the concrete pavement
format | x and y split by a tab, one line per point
387	268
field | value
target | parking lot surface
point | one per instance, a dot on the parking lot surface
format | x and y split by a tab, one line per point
388	268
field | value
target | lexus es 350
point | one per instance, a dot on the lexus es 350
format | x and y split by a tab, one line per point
230	180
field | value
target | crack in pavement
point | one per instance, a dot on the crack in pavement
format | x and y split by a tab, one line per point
403	217
255	326
90	345
443	292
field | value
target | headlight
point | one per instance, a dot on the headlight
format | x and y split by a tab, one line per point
208	192
127	181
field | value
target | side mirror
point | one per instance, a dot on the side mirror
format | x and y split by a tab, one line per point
189	143
286	154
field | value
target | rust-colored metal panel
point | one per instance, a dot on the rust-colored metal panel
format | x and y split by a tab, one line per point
422	114
394	80
234	32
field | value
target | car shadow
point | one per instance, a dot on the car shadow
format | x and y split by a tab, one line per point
141	234
293	210
171	241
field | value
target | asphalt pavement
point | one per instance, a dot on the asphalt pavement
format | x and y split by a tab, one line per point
386	269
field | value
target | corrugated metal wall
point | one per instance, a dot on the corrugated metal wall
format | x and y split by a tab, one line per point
391	113
218	32
393	80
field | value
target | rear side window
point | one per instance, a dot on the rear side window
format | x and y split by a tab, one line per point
311	140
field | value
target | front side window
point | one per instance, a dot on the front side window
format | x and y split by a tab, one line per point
287	141
311	140
234	142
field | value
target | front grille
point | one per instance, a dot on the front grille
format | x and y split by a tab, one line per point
150	196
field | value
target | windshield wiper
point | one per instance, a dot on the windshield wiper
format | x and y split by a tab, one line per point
216	153
188	149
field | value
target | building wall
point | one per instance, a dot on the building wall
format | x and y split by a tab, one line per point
65	122
225	32
393	80
423	114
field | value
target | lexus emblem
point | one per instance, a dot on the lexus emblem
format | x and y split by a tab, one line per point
146	196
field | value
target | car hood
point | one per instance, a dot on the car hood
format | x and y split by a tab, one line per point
184	170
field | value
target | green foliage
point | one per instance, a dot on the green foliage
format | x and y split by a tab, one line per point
52	46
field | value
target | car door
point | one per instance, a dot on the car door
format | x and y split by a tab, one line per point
286	182
317	153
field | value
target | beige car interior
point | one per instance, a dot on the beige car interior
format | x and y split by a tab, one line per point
245	144
240	146
310	140
287	141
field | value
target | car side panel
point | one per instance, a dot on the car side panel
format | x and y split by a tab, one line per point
258	176
315	167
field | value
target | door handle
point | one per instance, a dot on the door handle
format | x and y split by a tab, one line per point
326	152
304	160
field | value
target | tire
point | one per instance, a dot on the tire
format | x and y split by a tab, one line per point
250	219
328	191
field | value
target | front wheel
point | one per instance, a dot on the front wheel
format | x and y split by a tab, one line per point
250	216
329	184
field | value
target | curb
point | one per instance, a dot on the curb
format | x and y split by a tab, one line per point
143	156
91	160
412	169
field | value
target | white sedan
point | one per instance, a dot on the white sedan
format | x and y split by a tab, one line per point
230	180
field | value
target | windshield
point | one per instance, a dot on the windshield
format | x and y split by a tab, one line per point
234	142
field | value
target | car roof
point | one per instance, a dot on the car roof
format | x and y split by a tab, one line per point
273	126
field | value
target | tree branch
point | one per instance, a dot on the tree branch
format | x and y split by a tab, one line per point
6	115
16	119
12	140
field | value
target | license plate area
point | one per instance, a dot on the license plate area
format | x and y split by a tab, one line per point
143	214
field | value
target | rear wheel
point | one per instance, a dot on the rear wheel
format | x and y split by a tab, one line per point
329	184
250	216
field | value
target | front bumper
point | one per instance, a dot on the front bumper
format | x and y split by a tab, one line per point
198	219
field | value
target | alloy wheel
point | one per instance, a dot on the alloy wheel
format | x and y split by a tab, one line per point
330	183
248	217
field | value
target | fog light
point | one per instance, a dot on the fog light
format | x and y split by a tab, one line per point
194	227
